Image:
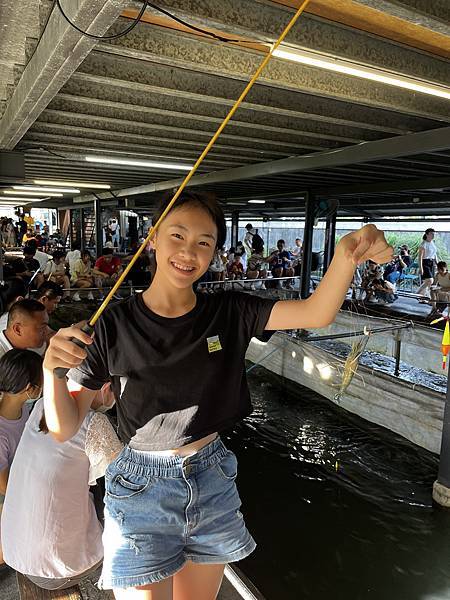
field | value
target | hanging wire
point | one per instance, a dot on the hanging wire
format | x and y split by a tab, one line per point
197	29
105	37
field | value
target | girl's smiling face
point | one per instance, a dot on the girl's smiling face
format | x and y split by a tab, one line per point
184	245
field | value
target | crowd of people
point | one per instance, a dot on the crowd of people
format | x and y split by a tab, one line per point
56	476
378	283
248	261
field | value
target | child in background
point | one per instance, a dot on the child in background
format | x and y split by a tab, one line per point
440	290
58	542
20	382
236	268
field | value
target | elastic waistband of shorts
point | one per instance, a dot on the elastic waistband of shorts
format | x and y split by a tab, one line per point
142	462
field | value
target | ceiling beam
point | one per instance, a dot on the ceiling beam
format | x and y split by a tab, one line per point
427	183
198	59
264	23
431	15
415	143
59	52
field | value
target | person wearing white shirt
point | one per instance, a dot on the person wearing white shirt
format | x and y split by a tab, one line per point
72	257
57	541
428	257
26	328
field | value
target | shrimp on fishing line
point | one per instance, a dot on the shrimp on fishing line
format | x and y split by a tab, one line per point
352	363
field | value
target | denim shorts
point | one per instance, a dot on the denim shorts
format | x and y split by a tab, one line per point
161	511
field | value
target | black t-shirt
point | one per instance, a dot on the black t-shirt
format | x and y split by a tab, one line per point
176	380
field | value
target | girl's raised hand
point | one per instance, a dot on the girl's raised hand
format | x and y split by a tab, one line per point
368	243
62	352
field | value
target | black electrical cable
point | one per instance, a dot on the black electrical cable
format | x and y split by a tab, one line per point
139	17
106	37
198	29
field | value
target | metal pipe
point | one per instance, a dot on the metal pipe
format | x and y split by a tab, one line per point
98	227
398	347
305	283
444	460
234	228
336	336
330	240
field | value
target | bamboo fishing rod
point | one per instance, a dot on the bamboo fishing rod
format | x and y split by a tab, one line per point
88	328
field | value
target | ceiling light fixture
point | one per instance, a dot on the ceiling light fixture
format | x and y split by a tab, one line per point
18	193
339	65
94	186
22	199
138	163
256	201
35	188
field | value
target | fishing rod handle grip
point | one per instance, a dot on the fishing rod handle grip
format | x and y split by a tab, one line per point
61	372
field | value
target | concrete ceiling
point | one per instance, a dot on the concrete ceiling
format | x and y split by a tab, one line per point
160	93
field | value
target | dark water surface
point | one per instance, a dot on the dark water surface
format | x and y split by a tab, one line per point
340	508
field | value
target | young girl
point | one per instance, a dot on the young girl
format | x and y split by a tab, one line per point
176	362
56	540
20	381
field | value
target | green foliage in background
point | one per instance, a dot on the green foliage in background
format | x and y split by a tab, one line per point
412	240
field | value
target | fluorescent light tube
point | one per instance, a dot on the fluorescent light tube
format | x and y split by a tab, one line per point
138	163
22	199
35	188
17	193
349	68
94	186
256	201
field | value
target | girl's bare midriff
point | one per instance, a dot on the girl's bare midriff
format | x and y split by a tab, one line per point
189	449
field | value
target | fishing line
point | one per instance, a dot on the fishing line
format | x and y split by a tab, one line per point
88	328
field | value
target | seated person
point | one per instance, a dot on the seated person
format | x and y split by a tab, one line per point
29	235
26	327
55	270
59	542
394	270
139	274
72	257
20	381
256	261
49	294
13	290
280	264
440	290
371	271
107	269
83	275
404	253
41	257
384	290
236	268
240	249
28	268
217	266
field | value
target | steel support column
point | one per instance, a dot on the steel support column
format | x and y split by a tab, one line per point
441	488
305	279
234	228
330	238
98	227
83	240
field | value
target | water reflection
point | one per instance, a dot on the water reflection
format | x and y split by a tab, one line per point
340	508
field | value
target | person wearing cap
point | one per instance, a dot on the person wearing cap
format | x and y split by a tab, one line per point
428	257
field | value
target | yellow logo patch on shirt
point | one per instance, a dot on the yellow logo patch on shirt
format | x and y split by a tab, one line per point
214	344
